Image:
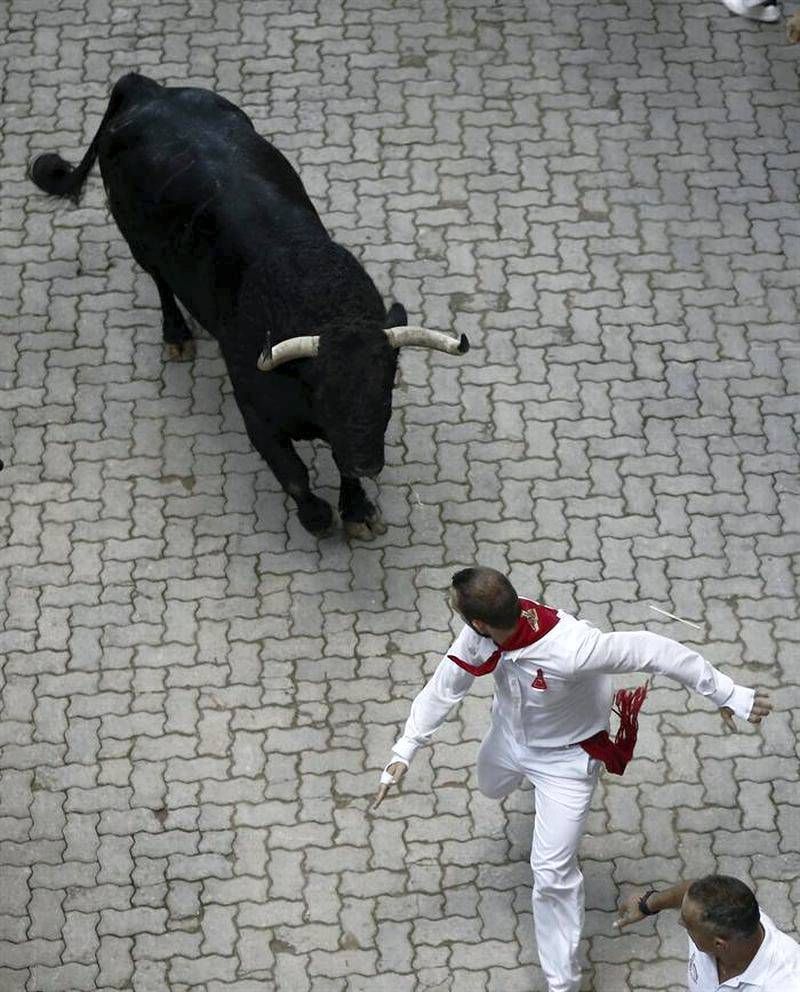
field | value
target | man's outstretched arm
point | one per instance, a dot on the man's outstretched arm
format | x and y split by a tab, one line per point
447	686
642	651
630	909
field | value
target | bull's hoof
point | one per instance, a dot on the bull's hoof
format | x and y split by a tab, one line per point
793	28
180	351
365	529
316	516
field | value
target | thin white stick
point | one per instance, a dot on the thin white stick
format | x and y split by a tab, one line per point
672	616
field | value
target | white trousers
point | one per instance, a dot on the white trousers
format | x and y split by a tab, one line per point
563	780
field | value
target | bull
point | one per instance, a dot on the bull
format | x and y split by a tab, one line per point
221	222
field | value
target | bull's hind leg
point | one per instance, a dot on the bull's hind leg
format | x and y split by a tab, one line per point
175	331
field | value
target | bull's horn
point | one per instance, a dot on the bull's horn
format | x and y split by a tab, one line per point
287	351
423	337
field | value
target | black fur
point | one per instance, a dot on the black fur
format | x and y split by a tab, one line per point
54	175
222	222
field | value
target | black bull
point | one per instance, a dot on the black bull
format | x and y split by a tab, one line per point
221	221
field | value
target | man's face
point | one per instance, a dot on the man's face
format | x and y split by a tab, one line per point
703	937
451	598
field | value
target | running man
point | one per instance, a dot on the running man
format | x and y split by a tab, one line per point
550	721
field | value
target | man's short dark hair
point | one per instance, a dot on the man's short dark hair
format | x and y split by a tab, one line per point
728	906
486	594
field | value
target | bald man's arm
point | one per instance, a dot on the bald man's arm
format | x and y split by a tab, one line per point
630	911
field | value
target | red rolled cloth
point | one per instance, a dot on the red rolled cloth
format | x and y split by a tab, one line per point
616	754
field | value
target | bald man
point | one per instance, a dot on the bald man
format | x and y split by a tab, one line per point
733	944
550	721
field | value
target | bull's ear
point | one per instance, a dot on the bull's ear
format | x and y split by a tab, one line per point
396	316
264	363
253	316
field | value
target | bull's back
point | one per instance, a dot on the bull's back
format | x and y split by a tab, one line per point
195	191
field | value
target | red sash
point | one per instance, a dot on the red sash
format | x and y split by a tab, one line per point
616	754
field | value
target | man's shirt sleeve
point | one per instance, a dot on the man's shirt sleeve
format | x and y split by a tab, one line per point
641	651
447	686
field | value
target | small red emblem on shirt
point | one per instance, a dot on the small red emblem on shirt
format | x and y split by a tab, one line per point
539	682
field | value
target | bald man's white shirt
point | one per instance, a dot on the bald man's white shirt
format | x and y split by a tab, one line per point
775	968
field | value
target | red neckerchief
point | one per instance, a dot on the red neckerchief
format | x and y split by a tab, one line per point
534	622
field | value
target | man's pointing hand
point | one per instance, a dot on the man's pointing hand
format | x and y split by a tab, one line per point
389	777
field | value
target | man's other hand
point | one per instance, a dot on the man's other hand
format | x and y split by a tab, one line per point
389	777
761	707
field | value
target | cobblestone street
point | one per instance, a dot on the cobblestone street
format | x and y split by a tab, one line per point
196	695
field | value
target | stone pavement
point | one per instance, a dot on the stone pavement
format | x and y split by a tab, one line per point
196	695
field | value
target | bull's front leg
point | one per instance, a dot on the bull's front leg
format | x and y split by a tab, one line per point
278	452
315	514
360	516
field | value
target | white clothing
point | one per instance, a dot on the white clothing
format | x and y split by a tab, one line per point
563	780
551	693
756	10
775	968
575	660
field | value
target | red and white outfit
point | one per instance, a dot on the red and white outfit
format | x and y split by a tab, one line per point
550	717
775	967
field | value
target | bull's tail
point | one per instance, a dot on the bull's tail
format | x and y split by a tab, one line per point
55	175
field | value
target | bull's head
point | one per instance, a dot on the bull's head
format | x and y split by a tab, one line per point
354	380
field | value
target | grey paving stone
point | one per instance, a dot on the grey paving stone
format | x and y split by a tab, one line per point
196	696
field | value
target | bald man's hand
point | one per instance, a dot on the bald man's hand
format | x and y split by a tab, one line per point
629	911
390	776
793	28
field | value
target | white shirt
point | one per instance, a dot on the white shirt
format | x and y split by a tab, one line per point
775	968
574	661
